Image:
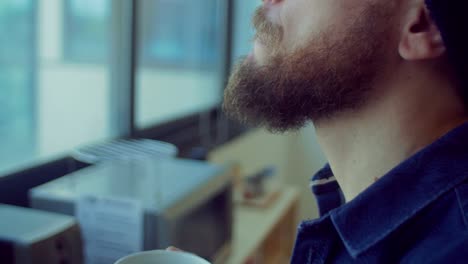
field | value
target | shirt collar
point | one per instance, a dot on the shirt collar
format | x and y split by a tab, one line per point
402	192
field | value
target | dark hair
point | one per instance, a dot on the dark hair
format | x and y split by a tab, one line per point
451	18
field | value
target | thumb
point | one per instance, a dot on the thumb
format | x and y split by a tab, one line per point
171	248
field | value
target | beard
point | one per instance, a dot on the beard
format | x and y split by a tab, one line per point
334	73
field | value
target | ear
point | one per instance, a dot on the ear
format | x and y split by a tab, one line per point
420	39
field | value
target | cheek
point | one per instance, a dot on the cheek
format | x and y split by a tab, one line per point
304	19
300	19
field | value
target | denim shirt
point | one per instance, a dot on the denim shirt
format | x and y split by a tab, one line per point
416	213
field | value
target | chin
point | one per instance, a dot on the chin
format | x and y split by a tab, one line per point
250	58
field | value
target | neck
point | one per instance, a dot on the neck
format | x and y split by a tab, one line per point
364	145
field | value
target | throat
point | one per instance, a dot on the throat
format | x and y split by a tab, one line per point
360	156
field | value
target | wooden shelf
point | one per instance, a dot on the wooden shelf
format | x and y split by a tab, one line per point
265	235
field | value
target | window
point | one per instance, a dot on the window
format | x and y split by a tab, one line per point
243	31
180	33
180	67
87	28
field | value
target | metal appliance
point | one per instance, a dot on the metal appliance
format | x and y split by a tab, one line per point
35	237
186	203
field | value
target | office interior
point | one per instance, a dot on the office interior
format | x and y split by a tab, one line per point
144	78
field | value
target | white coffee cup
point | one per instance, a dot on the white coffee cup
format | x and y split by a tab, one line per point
162	257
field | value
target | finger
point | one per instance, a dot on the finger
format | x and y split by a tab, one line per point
171	248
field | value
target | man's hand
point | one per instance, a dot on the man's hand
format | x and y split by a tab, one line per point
171	248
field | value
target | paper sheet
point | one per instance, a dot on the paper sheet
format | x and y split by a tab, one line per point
111	228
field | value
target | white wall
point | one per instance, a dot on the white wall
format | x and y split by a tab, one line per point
254	151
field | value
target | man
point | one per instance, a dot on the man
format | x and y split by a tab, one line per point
385	84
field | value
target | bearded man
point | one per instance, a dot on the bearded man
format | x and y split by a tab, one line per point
385	82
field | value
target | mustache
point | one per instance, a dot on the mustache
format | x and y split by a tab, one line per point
267	32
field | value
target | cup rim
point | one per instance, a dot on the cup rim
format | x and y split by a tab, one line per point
160	251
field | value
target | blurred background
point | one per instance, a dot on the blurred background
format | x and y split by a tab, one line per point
77	73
